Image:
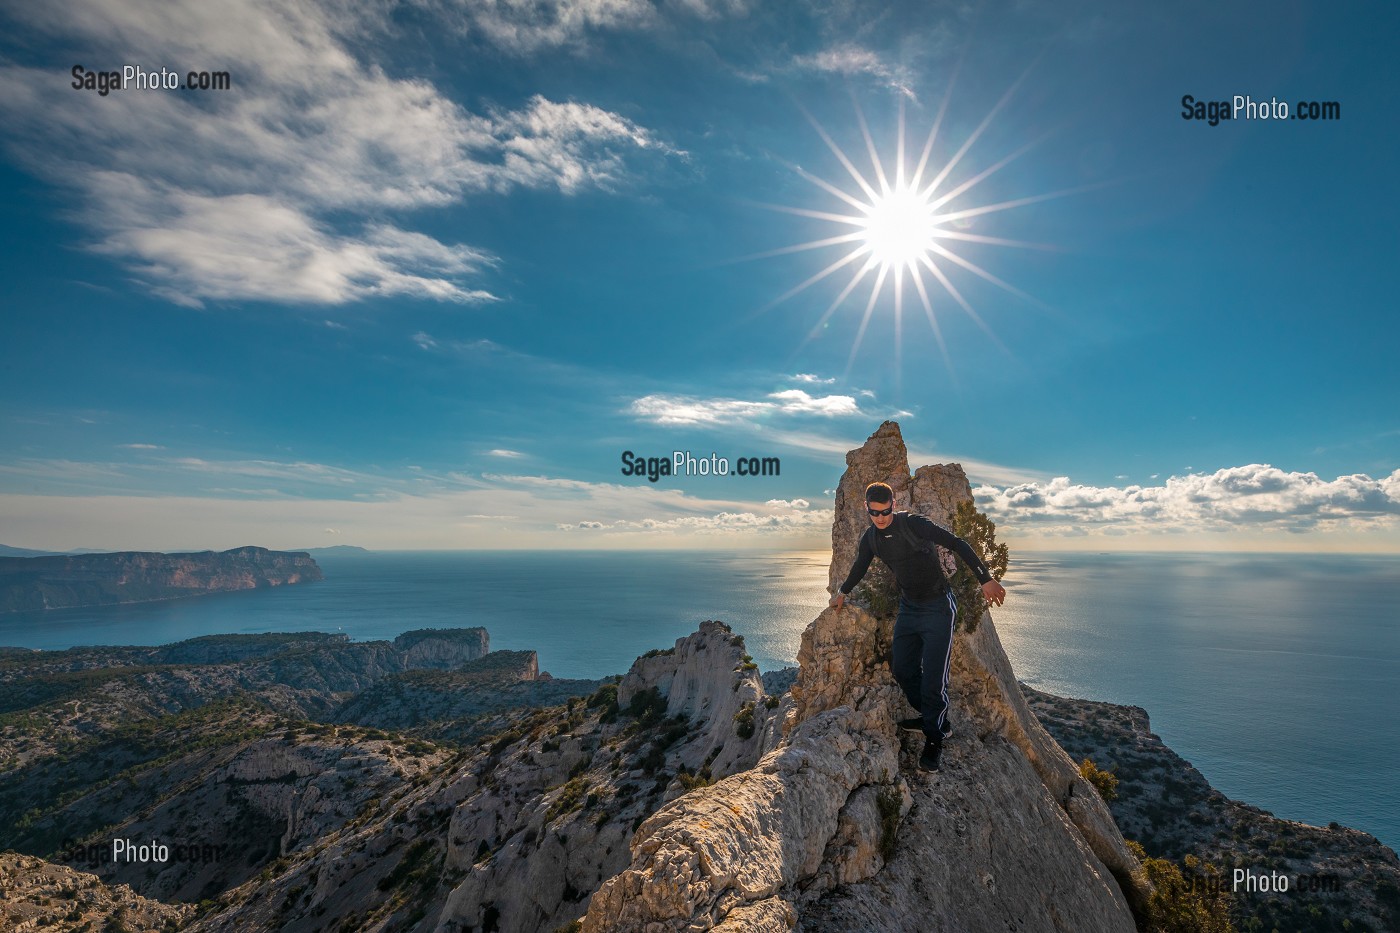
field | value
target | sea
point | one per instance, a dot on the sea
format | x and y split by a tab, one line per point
1276	675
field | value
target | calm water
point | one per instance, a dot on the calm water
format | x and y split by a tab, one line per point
1274	675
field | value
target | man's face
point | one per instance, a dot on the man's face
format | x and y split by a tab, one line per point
880	521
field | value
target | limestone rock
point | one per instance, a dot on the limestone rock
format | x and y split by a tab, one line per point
41	895
445	648
757	835
706	678
882	459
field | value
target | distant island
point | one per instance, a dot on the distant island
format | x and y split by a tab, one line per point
80	580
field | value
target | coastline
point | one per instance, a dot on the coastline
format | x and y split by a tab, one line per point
1333	873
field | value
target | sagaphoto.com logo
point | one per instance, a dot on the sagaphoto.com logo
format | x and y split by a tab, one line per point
135	77
685	463
1245	107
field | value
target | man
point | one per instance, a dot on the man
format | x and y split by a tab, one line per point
923	630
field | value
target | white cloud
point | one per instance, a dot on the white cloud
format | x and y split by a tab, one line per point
810	378
525	27
189	248
788	504
845	59
230	195
798	401
848	59
141	446
688	410
1254	496
719	523
676	409
502	452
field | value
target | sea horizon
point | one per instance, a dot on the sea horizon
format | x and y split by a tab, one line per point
1268	706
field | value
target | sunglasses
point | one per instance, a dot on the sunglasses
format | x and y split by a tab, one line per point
880	512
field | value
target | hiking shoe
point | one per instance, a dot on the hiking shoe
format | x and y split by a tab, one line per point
928	761
917	723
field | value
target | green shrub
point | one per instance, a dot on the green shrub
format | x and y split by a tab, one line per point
1105	782
888	801
743	721
648	706
1177	905
570	799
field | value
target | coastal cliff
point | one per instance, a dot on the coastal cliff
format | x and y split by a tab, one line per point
72	581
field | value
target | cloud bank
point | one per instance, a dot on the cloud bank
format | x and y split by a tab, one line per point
282	188
1255	496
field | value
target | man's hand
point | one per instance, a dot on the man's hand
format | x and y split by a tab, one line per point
838	600
994	592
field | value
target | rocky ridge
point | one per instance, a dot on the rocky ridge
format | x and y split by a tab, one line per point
833	830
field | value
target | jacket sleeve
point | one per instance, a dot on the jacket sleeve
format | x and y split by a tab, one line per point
863	557
946	539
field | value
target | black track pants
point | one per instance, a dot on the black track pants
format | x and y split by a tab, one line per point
923	646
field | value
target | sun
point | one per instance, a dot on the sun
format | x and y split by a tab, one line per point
905	227
899	228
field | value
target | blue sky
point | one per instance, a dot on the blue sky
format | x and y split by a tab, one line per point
425	271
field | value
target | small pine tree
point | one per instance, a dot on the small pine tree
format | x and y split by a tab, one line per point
979	532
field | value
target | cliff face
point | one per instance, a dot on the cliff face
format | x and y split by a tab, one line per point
65	582
835	830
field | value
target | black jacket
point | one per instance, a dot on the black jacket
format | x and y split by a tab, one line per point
917	571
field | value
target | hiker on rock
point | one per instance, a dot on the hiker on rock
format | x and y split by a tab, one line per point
923	630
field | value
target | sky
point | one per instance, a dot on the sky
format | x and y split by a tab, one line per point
428	275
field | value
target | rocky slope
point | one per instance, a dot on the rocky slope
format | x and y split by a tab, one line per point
1338	876
39	895
64	582
59	702
833	830
514	834
72	730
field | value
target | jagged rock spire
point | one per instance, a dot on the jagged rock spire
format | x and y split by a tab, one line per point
832	831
